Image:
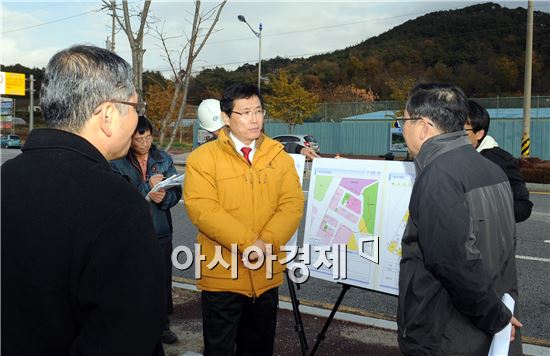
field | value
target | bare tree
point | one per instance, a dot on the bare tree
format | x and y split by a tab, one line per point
182	71
134	39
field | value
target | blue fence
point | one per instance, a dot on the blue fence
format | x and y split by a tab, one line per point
372	137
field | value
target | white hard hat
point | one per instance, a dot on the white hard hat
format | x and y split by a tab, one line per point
209	114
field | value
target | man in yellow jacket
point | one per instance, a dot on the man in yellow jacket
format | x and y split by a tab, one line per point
243	194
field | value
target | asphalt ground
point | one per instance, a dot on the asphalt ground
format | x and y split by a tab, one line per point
344	338
348	334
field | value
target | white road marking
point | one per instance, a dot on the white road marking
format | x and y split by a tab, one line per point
540	259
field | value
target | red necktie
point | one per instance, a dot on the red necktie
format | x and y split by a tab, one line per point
246	152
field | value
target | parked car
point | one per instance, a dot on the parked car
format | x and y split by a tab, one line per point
10	141
303	140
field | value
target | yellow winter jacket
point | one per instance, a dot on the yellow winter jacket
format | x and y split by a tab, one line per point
233	202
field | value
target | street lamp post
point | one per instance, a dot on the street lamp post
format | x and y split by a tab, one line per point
259	35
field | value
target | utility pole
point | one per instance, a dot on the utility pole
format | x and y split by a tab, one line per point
113	4
525	139
31	106
110	43
260	57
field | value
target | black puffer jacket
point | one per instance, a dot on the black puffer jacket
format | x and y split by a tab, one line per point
458	252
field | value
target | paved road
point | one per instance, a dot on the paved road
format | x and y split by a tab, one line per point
533	271
8	153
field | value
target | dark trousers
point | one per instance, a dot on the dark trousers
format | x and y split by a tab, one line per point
166	248
234	324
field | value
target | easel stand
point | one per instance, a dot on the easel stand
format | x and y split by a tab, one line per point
299	327
321	336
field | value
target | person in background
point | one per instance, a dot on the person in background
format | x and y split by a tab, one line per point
209	114
241	191
144	166
458	255
82	271
477	127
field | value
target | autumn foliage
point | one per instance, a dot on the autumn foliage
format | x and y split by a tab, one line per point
289	101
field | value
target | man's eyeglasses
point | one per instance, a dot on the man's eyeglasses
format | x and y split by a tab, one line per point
143	139
469	130
249	114
140	106
401	121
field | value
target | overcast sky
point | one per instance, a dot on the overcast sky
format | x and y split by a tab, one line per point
32	31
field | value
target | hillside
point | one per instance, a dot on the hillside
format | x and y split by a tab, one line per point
480	48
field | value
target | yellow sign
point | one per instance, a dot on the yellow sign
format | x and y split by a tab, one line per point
13	84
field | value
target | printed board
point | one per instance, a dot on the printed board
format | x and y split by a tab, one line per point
356	214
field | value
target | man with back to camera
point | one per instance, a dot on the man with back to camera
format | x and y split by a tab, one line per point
458	247
240	191
144	166
209	114
477	127
81	268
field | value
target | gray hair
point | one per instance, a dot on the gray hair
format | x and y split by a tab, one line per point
77	80
445	104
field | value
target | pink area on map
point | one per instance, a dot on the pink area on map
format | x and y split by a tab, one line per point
348	215
313	214
336	198
354	204
356	185
325	233
330	220
342	235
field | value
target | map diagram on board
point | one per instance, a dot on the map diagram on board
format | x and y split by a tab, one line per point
363	205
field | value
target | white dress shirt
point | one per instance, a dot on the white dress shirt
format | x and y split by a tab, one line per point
239	145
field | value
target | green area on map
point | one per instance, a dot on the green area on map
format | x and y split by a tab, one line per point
370	195
322	183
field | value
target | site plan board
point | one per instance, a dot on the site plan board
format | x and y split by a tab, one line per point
356	215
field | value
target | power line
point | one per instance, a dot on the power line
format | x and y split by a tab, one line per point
53	21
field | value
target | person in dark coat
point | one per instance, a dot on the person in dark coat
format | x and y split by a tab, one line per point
458	256
82	271
477	127
144	166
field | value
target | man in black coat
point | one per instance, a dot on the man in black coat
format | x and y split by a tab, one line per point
477	127
145	166
81	268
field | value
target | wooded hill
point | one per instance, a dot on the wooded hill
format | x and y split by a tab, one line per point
481	48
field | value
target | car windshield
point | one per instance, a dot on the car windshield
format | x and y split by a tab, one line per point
287	139
310	139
